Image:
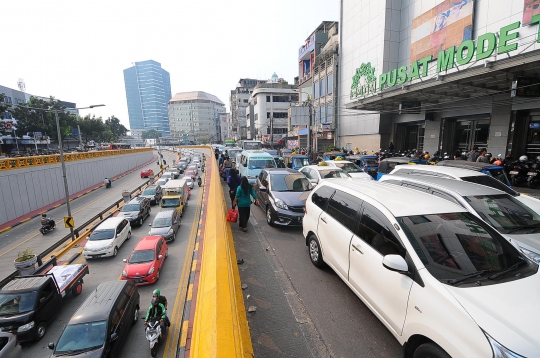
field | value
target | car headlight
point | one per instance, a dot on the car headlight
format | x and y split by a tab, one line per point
124	273
280	204
26	327
500	351
170	232
151	271
109	247
534	256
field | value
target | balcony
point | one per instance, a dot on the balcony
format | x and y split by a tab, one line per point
302	80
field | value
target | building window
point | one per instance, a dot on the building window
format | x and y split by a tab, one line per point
323	114
322	85
268	99
330	84
329	113
245	101
267	114
280	115
280	98
7	99
316	90
294	98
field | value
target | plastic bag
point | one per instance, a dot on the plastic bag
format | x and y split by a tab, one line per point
232	215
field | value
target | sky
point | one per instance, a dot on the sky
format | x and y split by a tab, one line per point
76	51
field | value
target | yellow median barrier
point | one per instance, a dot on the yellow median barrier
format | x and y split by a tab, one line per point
220	327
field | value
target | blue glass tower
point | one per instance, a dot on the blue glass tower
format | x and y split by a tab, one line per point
148	91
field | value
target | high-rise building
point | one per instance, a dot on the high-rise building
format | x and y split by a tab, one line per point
195	117
148	91
238	101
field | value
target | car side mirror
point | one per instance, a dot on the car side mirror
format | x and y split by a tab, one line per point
51	346
149	224
160	257
42	300
124	260
313	181
395	263
262	188
114	336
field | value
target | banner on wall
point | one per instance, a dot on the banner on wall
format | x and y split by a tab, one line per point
447	24
530	8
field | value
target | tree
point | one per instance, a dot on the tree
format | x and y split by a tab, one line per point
92	128
116	129
151	134
3	106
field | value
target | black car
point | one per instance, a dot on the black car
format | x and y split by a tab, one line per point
153	193
282	195
136	210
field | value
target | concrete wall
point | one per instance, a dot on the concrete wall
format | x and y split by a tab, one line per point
29	189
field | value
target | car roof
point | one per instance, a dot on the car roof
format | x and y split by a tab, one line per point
153	186
98	305
462	188
148	242
466	164
395	198
455	172
321	167
338	161
281	171
110	223
137	200
164	214
24	284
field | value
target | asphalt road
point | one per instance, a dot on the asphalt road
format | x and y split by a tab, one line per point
107	269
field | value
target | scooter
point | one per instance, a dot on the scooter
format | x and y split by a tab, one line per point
153	334
518	175
108	184
199	181
46	226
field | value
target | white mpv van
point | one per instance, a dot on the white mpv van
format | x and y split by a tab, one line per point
440	279
107	238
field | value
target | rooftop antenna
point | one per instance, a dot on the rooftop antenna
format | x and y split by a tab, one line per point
22	88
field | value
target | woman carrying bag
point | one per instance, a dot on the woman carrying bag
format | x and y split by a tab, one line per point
234	181
243	200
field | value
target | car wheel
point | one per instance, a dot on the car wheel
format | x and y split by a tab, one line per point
269	219
157	276
129	235
430	350
140	221
41	330
315	254
77	289
514	180
167	253
115	251
136	316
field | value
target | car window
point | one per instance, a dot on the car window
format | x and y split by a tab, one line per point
377	231
104	234
131	207
306	173
349	167
289	182
491	182
343	207
321	196
333	173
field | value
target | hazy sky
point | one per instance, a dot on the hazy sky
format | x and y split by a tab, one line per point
76	50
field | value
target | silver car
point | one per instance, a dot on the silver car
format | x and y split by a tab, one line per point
8	346
166	224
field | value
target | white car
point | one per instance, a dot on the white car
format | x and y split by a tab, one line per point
316	173
107	238
354	170
441	280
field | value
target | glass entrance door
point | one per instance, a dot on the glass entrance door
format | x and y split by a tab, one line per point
471	133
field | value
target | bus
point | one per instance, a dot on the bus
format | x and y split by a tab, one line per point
230	143
251	144
114	146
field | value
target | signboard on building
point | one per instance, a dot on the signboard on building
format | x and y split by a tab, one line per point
530	8
298	116
526	87
326	127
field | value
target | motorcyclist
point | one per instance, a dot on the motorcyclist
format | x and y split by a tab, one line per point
156	310
199	181
45	221
163	300
107	182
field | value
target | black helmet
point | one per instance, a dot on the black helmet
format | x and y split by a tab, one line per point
155	301
43	215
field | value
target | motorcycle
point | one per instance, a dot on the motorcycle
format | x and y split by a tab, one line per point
532	174
154	334
199	181
518	174
46	226
108	184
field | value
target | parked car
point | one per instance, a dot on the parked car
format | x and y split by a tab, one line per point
281	194
9	347
144	264
107	238
495	171
315	173
101	324
166	224
153	193
136	210
441	280
503	212
354	170
193	167
190	174
146	173
190	182
389	164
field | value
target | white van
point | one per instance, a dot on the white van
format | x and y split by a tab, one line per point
252	162
107	238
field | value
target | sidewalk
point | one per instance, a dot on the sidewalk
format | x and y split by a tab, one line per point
279	327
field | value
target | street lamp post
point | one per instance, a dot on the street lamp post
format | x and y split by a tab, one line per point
61	147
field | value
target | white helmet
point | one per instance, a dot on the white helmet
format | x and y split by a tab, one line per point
523	158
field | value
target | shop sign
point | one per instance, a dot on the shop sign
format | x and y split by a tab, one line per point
526	87
326	127
460	55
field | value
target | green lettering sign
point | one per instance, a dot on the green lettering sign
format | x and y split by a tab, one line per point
461	58
402	75
445	59
382	81
392	78
367	72
536	20
415	72
481	51
424	63
505	37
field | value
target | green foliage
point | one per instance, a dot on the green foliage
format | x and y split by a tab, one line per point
151	134
331	148
26	254
117	130
3	106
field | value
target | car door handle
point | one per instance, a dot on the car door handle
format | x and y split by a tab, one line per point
357	248
324	221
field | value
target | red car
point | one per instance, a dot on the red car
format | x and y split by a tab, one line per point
146	260
145	173
190	173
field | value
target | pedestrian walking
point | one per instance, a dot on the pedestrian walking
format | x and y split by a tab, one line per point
483	158
233	181
244	192
473	154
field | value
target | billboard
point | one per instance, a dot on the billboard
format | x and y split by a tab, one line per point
447	24
530	8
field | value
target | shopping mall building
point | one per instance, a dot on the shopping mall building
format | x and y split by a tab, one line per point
440	75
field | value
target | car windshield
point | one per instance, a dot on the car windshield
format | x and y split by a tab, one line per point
140	256
300	162
12	304
271	151
504	213
454	245
491	182
261	163
161	182
289	182
349	167
333	173
371	162
252	145
78	338
162	222
232	153
106	234
170	203
149	192
130	207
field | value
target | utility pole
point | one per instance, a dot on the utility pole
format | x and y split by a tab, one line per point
272	132
309	127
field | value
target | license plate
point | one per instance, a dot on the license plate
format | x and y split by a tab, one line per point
532	173
94	256
514	173
372	169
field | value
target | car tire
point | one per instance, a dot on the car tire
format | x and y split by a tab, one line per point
269	219
430	350
315	254
141	221
128	235
136	315
167	253
115	251
77	289
41	329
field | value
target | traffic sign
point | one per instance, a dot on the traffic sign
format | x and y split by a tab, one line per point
69	222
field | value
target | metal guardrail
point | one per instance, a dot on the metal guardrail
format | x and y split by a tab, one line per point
101	216
40	160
